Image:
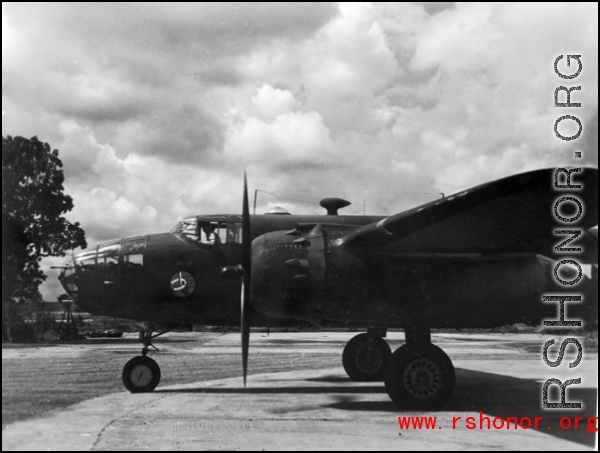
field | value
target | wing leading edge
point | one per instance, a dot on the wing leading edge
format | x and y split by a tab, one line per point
510	215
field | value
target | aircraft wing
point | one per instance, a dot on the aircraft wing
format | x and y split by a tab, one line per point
510	215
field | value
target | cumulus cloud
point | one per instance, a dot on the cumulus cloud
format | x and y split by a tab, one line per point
156	108
272	102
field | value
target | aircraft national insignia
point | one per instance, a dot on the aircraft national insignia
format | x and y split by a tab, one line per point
182	284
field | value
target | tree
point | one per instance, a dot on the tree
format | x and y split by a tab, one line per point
33	203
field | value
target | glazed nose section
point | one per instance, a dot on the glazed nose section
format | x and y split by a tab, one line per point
68	279
89	271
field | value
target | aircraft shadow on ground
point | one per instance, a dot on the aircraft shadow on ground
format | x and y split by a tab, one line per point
505	396
493	394
120	341
282	390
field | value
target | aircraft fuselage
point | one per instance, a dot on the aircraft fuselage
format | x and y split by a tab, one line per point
298	273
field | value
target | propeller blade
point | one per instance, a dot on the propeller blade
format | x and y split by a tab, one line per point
245	329
246	282
246	252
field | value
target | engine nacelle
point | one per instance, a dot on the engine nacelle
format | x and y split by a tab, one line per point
301	275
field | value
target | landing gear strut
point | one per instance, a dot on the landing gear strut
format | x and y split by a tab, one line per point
365	356
419	375
142	374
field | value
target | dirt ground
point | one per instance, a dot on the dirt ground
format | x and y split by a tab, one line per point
53	375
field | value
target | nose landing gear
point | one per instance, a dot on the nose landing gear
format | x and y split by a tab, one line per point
142	374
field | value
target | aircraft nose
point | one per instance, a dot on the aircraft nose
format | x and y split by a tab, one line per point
87	260
68	277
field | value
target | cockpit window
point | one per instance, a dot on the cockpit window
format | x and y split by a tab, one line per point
215	233
209	232
187	227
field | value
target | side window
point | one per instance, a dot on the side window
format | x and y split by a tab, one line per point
133	260
219	233
234	233
133	249
222	232
211	233
108	254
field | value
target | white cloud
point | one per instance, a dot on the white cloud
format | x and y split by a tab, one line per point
290	139
272	102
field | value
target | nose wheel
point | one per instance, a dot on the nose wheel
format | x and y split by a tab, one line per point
141	374
365	357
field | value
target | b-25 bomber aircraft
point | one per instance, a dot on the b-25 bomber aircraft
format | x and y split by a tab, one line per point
475	259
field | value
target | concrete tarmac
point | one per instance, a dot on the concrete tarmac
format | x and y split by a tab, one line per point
498	376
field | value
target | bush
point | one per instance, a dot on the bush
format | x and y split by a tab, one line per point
22	333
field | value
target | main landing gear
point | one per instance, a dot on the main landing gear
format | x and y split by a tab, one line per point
366	355
417	376
142	374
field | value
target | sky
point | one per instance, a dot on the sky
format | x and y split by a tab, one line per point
156	109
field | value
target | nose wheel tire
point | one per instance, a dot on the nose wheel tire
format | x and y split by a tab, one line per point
141	375
420	378
365	357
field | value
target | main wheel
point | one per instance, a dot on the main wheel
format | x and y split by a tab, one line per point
419	378
365	357
141	374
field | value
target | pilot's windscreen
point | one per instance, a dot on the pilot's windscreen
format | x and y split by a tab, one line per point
187	227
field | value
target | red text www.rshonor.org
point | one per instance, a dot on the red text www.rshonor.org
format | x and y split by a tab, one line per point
483	422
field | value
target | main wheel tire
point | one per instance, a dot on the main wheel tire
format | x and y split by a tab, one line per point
141	375
420	378
365	357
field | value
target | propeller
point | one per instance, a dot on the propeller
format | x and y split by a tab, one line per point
246	280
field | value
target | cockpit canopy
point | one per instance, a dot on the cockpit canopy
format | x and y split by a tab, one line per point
210	230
